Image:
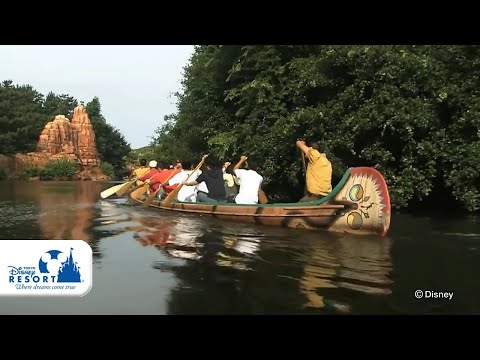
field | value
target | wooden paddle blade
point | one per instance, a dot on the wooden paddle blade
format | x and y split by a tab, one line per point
172	196
138	193
262	197
132	188
123	190
111	190
151	197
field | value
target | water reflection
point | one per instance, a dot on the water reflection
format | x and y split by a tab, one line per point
66	212
269	265
347	262
161	262
186	237
114	218
57	210
223	267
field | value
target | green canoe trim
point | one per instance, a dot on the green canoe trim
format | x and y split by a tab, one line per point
330	196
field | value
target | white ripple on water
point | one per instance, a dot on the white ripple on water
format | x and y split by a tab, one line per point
114	219
462	234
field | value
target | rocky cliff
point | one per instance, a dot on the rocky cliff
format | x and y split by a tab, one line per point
84	137
62	138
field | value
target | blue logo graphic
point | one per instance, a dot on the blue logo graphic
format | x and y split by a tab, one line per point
57	264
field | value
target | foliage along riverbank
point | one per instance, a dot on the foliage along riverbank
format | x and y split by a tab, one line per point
58	169
412	112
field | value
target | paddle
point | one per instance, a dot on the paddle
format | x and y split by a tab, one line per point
262	197
125	187
139	190
112	190
173	195
304	172
129	190
154	194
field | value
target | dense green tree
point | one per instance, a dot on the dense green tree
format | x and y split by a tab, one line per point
111	144
59	105
412	112
21	117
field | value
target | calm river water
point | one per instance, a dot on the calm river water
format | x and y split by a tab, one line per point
148	261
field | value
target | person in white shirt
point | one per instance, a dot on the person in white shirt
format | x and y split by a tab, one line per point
186	193
250	182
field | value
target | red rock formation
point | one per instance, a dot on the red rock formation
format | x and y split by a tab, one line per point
76	137
84	137
61	138
56	137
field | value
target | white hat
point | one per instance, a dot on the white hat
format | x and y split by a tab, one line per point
152	164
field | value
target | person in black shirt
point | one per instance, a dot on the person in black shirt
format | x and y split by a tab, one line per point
213	177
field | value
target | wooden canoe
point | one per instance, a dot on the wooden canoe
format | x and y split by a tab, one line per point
359	204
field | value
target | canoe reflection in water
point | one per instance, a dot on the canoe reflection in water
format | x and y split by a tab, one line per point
346	263
272	266
186	238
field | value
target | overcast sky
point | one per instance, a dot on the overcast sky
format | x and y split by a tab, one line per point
134	83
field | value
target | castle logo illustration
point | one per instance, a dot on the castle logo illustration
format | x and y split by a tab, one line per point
56	263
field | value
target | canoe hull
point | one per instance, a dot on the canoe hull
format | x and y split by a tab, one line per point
359	204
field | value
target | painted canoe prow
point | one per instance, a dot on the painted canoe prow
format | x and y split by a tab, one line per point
359	204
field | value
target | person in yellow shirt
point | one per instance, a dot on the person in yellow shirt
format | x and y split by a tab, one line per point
140	171
319	171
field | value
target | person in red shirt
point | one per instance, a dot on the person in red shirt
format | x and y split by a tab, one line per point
162	178
150	175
